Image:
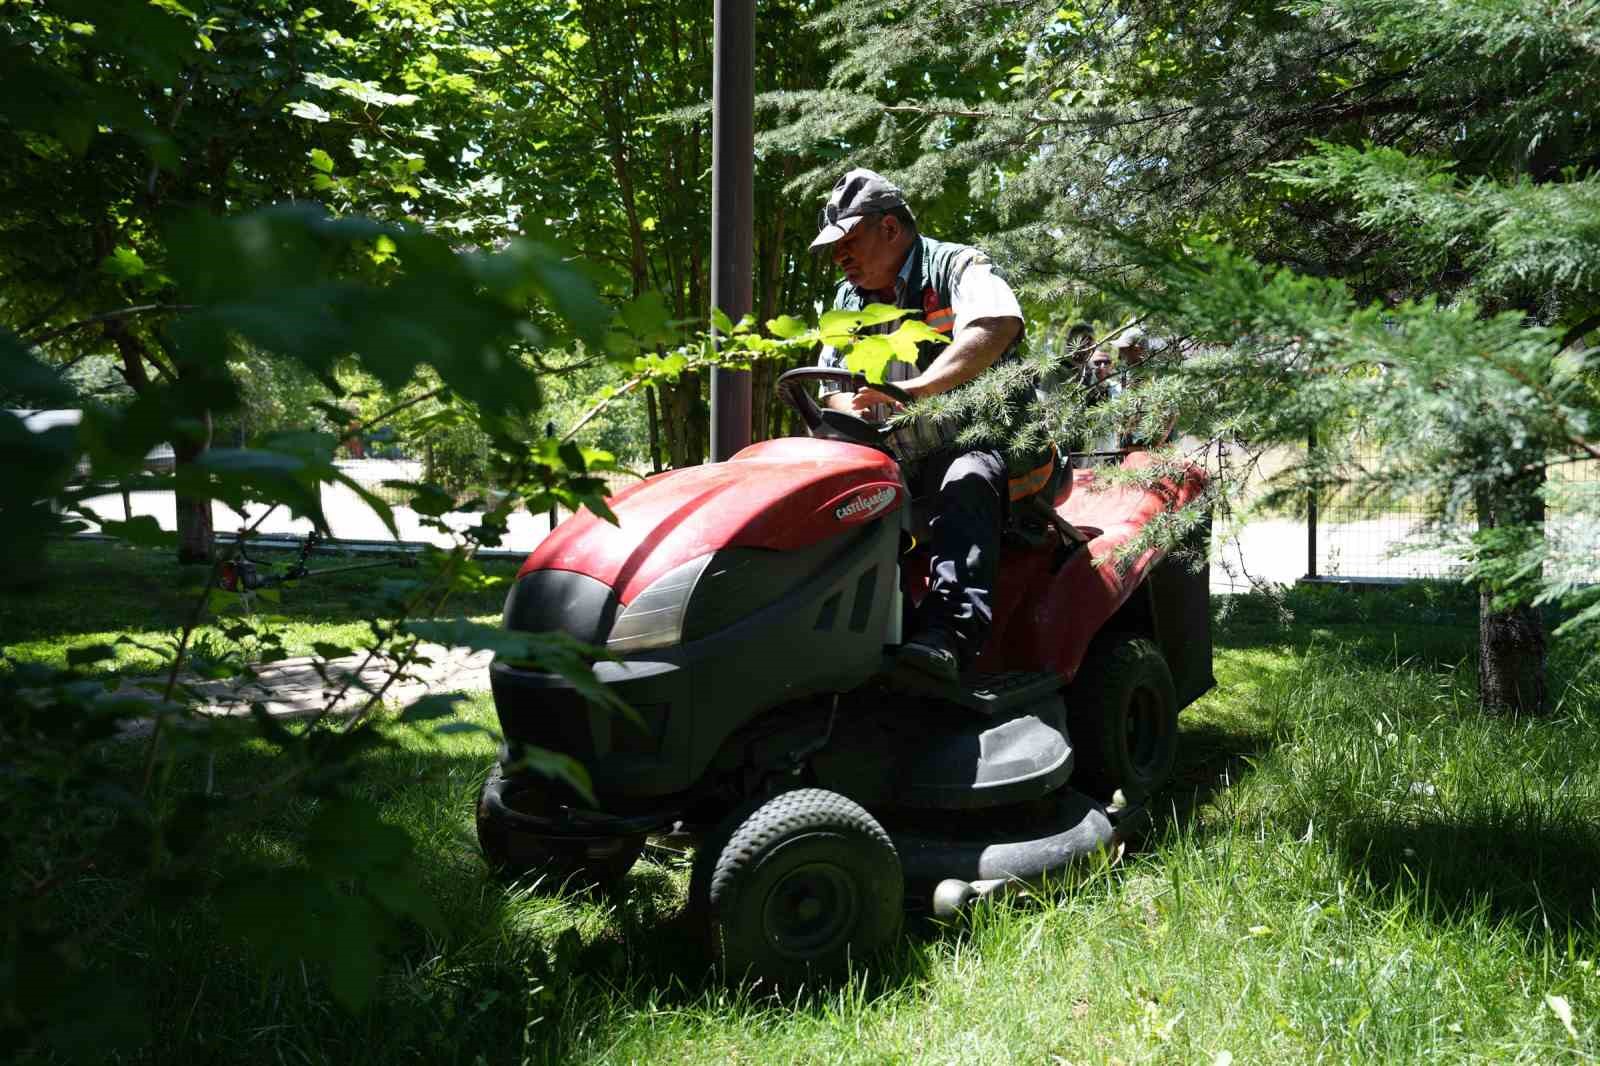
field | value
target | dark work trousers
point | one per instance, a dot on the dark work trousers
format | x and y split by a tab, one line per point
969	492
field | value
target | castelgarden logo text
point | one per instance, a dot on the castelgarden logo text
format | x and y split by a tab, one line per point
866	506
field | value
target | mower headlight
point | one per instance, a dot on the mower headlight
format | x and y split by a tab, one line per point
655	617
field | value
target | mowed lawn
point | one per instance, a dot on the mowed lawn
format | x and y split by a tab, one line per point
93	592
1352	865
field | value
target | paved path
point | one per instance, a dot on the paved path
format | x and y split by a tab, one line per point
296	688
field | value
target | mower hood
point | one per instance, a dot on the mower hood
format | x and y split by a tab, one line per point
781	495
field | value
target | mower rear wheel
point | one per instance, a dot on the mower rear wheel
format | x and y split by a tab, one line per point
1123	716
806	883
560	864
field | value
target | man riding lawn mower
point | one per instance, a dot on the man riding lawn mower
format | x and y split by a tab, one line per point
828	766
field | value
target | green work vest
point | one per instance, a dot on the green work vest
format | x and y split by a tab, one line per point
930	283
935	266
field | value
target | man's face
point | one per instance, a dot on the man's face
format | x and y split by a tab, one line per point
1100	364
871	254
1134	354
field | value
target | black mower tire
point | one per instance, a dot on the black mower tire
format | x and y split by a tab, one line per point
557	865
1123	715
806	884
707	852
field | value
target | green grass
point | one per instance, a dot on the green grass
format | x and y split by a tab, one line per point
1353	865
95	592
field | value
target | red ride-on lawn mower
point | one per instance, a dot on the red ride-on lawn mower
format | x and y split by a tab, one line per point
756	606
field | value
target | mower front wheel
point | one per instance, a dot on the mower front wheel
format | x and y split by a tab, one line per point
571	864
806	883
1123	715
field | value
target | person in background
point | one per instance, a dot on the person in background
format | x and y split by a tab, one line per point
1104	384
1080	347
1133	347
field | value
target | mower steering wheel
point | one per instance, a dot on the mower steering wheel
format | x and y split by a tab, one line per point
825	421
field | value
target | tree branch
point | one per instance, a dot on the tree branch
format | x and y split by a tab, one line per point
396	409
105	316
1578	332
1037	121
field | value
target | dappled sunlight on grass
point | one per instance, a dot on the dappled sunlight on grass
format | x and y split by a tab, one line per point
1352	864
98	592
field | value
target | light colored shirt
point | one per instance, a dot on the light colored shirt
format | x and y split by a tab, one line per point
1111	440
976	292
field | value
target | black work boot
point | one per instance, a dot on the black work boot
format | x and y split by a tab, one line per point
932	652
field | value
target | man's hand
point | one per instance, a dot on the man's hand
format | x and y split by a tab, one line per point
864	400
861	402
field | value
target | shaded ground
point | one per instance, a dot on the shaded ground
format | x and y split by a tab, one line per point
93	592
1357	866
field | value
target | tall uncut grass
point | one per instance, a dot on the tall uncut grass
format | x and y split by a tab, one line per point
1353	865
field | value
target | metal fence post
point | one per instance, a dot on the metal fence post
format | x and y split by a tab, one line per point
550	432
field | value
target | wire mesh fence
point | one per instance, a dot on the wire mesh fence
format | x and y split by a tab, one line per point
351	519
1344	538
1392	539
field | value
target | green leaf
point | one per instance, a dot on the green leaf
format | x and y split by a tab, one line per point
26	378
123	263
837	327
648	320
241	476
141	31
918	331
328	650
142	530
354	964
555	764
870	356
309	111
721	322
427	499
786	326
322	160
572	456
378	505
551	652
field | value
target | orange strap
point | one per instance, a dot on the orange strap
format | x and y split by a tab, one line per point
1027	484
943	319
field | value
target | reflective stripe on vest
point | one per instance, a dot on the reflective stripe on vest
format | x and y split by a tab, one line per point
1025	485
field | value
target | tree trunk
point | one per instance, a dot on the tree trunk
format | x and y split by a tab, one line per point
685	416
655	430
194	512
1511	642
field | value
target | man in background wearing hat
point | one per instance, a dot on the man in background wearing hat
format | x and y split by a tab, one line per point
1133	348
872	235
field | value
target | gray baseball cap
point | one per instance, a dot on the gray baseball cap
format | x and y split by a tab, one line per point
859	193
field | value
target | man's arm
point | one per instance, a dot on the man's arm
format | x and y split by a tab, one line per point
972	352
840	401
